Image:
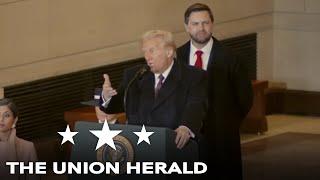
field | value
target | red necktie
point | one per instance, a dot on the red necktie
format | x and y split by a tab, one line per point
198	63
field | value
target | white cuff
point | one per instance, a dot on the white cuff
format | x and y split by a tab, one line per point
109	122
105	102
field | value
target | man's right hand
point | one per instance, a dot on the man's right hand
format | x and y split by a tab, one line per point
107	90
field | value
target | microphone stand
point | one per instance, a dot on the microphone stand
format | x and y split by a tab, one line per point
138	75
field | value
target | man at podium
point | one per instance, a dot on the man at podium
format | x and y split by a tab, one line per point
163	93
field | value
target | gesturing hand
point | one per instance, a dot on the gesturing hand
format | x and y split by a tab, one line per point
107	89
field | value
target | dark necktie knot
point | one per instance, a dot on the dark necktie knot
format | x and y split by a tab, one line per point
159	84
160	77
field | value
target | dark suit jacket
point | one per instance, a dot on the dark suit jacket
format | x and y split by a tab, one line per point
230	99
182	100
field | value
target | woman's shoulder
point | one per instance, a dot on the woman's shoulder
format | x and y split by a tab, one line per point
24	143
26	150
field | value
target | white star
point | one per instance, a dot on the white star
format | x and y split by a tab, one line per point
67	135
143	135
105	136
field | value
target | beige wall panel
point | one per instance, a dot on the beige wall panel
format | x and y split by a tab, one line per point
4	2
313	6
1	93
244	26
61	65
23	32
296	44
298	22
233	10
297	59
83	25
265	41
289	5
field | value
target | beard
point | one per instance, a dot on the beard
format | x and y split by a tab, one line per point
201	40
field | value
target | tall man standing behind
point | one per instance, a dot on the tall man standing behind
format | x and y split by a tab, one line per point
230	92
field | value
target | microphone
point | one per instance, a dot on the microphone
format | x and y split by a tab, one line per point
138	75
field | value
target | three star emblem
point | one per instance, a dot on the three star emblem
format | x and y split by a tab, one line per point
105	136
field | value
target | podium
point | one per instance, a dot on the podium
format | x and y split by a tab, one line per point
256	121
162	148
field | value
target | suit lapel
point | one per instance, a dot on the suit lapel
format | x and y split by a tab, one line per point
185	54
170	84
214	54
147	89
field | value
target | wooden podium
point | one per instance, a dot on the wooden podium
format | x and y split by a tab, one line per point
256	121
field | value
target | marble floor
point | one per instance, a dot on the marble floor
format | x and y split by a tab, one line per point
280	123
288	150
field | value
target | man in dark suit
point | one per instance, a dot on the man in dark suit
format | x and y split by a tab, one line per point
171	94
230	93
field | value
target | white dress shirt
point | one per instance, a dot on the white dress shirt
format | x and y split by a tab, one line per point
205	55
164	74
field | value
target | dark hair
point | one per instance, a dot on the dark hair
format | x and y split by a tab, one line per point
11	105
196	8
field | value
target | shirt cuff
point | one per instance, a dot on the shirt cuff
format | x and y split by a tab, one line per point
109	122
105	101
